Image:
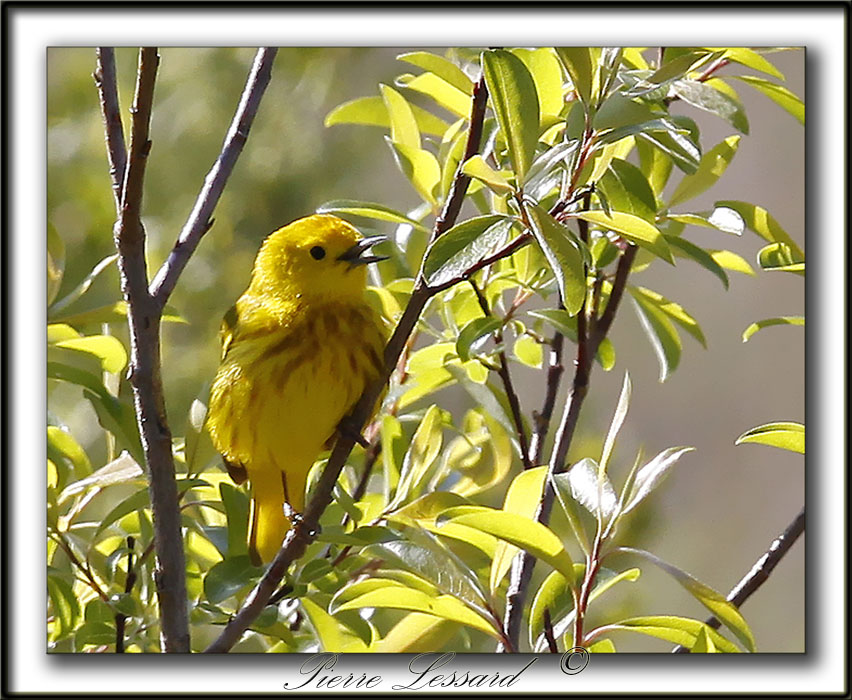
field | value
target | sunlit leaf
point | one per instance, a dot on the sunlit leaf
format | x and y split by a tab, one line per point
108	349
420	167
463	246
417	633
564	254
440	66
702	257
547	74
371	111
369	210
477	168
333	635
676	630
764	225
767	322
617	421
732	261
788	436
403	126
749	58
627	190
580	65
662	335
708	98
474	331
631	227
515	100
671	309
522	532
783	97
591	488
721	218
443	93
713	164
652	474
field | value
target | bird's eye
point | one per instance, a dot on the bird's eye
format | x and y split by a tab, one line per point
317	252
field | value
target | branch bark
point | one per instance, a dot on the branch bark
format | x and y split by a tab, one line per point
760	572
144	372
113	129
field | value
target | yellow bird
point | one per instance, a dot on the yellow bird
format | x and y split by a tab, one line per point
298	349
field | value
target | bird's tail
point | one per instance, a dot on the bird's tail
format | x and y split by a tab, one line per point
267	522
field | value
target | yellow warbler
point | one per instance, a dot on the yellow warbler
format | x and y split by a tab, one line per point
298	349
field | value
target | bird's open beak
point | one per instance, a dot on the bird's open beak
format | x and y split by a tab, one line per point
356	254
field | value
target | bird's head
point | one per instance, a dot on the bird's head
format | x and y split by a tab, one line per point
319	256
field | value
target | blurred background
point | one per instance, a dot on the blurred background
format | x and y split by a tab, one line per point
722	505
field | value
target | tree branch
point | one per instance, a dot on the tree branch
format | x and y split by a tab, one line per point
305	531
113	129
508	386
587	345
542	418
144	371
199	221
760	572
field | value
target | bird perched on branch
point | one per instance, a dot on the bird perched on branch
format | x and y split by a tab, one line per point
298	349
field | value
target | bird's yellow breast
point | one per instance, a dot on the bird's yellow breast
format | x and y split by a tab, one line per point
280	393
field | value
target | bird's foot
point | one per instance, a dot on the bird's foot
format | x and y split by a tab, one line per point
348	428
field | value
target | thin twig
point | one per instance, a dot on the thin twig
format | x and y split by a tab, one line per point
506	378
90	578
121	618
760	572
144	372
586	348
548	633
200	221
108	92
541	419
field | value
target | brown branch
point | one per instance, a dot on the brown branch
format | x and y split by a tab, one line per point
761	570
121	618
548	633
458	190
508	386
108	92
587	346
144	371
541	419
200	221
90	578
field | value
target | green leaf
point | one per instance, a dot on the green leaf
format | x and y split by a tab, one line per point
122	470
524	533
443	606
332	634
403	126
779	257
236	504
371	111
554	595
369	210
778	321
656	165
679	66
602	646
228	577
528	351
787	436
750	59
463	246
94	634
515	100
764	225
710	169
422	452
673	310
522	498
420	167
731	261
590	487
564	254
627	190
440	66
65	607
651	475
632	228
477	168
662	335
443	93
721	218
580	63
708	98
617	421
547	74
108	349
702	257
715	602
416	633
137	501
677	630
703	643
63	443
475	330
83	287
778	94
678	147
